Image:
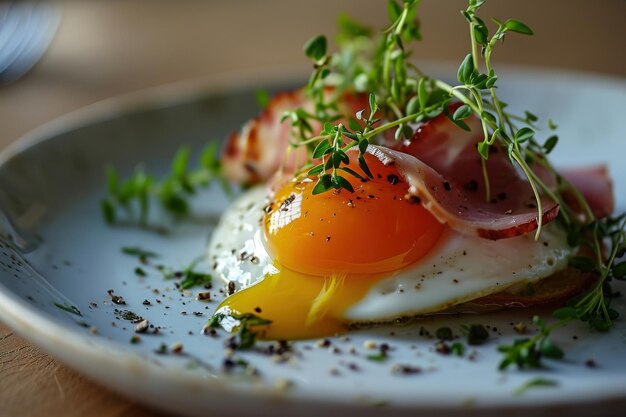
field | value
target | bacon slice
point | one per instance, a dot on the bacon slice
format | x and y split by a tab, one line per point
255	152
261	147
443	168
452	153
594	183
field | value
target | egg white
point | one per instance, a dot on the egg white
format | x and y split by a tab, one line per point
459	268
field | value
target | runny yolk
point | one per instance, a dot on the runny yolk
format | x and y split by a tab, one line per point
300	306
330	248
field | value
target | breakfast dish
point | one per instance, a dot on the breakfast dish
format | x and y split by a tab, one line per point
460	311
386	195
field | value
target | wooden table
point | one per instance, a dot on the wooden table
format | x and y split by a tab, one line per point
109	48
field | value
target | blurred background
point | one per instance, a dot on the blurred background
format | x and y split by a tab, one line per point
56	57
106	48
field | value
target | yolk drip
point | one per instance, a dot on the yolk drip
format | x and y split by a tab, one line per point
331	248
300	306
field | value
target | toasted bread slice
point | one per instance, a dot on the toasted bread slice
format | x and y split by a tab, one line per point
556	289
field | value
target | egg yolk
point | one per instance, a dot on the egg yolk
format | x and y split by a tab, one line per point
330	248
375	229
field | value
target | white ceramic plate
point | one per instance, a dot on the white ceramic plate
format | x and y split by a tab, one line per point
57	250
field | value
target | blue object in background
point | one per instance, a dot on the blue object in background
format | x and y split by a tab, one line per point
26	30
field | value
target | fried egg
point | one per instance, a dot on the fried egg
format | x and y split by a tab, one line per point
314	264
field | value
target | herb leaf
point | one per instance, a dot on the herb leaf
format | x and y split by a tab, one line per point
133	196
534	383
516	26
315	48
138	252
69	308
246	329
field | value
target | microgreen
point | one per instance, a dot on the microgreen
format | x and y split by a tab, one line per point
138	252
534	383
131	199
189	276
192	278
262	98
378	357
529	352
246	332
140	272
457	349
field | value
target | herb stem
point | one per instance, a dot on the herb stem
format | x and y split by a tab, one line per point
529	174
453	91
394	123
474	45
492	90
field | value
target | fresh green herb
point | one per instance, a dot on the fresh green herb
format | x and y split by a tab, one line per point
194	279
132	197
528	352
138	252
135	340
535	383
69	308
594	307
246	332
161	350
378	357
216	320
457	349
476	333
189	277
315	48
388	80
351	30
262	98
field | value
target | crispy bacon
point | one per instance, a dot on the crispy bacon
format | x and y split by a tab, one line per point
255	152
260	148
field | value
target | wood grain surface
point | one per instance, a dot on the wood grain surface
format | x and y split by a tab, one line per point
34	384
107	48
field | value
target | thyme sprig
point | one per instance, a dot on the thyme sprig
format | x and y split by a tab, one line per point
528	352
132	198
